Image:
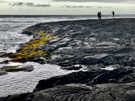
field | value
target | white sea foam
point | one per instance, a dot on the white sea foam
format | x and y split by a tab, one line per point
10	38
21	82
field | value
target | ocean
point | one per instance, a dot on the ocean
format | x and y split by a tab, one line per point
12	26
10	39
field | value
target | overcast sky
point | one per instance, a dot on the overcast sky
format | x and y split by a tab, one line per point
66	7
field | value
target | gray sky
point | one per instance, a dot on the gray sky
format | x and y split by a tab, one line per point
66	7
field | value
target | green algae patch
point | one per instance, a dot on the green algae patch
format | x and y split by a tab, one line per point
31	49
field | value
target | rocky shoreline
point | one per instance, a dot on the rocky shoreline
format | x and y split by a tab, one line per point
105	48
89	42
96	85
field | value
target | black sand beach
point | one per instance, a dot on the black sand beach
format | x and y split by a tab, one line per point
102	49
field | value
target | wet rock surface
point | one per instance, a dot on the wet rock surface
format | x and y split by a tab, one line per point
89	42
80	92
91	77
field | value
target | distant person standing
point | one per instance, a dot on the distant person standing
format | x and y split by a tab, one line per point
113	14
99	15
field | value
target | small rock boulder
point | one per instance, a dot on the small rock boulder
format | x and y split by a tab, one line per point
26	68
2	54
2	72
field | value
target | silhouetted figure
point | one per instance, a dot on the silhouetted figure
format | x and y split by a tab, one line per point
113	13
99	15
